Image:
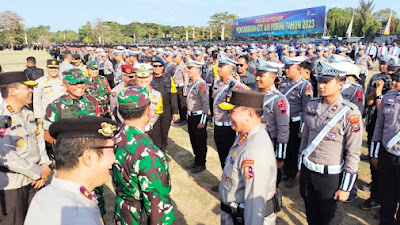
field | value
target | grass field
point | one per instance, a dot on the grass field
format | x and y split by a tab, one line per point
194	202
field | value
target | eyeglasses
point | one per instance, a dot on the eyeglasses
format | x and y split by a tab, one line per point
157	66
241	65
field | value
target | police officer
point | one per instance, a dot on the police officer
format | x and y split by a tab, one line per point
181	80
298	92
352	91
166	86
129	76
140	172
224	136
330	149
276	110
364	61
108	70
169	69
98	87
143	79
47	90
24	164
198	106
385	153
252	64
84	153
247	188
119	58
66	63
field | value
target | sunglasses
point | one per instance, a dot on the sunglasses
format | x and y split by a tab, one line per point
241	65
157	66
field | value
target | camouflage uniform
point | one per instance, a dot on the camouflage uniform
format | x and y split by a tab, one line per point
140	173
100	89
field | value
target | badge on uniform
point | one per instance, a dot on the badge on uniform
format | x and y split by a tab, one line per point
85	192
114	94
243	138
248	171
387	110
391	100
203	88
227	181
10	109
21	143
282	106
355	123
308	90
359	96
331	136
2	132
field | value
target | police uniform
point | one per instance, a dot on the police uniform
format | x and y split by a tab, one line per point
166	86
198	106
252	64
22	153
365	63
329	154
385	147
66	201
140	172
99	88
247	186
298	93
181	80
276	114
353	92
118	71
64	65
47	90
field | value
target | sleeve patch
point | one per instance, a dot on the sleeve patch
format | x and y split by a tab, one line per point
355	123
282	106
248	171
308	90
247	162
359	96
203	88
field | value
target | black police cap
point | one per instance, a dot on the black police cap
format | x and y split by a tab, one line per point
15	77
87	126
247	98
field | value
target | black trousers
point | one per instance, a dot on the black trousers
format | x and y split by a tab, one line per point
317	191
374	173
181	104
389	187
224	137
159	133
14	204
292	151
155	133
211	100
198	140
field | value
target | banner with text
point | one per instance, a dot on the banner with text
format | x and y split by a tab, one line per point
302	21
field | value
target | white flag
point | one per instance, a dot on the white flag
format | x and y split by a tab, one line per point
387	28
187	36
350	28
26	39
223	33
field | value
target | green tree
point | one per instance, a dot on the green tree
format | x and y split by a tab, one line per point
218	20
338	21
11	28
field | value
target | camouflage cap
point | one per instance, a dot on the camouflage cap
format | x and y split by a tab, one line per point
92	65
133	97
73	76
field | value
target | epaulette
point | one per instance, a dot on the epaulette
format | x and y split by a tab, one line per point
315	99
352	105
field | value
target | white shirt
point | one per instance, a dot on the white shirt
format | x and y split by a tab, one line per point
63	203
382	51
394	50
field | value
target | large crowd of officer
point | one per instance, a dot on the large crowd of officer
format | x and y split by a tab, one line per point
280	114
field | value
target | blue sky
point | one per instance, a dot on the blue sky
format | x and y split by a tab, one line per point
72	14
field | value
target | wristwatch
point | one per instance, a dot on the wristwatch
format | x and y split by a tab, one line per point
379	97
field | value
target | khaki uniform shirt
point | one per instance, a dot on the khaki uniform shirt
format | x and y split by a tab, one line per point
45	92
198	98
221	91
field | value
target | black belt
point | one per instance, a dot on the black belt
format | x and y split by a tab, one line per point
4	169
239	211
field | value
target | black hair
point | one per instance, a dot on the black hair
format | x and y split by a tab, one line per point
132	113
245	57
68	150
4	89
31	59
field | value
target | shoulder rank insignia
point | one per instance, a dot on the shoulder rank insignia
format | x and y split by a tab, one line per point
85	192
243	138
10	109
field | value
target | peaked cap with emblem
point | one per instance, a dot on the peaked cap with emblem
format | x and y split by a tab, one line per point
192	63
157	59
224	59
295	60
16	77
329	71
350	68
87	126
133	97
143	69
52	63
92	65
263	65
73	76
247	98
335	58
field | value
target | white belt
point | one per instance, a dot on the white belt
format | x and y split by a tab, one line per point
222	124
320	168
194	113
148	127
296	118
394	152
179	85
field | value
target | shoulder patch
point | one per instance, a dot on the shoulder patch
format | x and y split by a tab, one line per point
282	106
355	123
202	88
308	90
359	96
248	171
247	162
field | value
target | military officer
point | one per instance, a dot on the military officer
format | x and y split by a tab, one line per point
181	80
24	164
250	168
330	149
47	90
84	153
198	106
385	153
98	87
224	136
129	76
140	172
143	79
276	110
298	92
364	61
166	86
